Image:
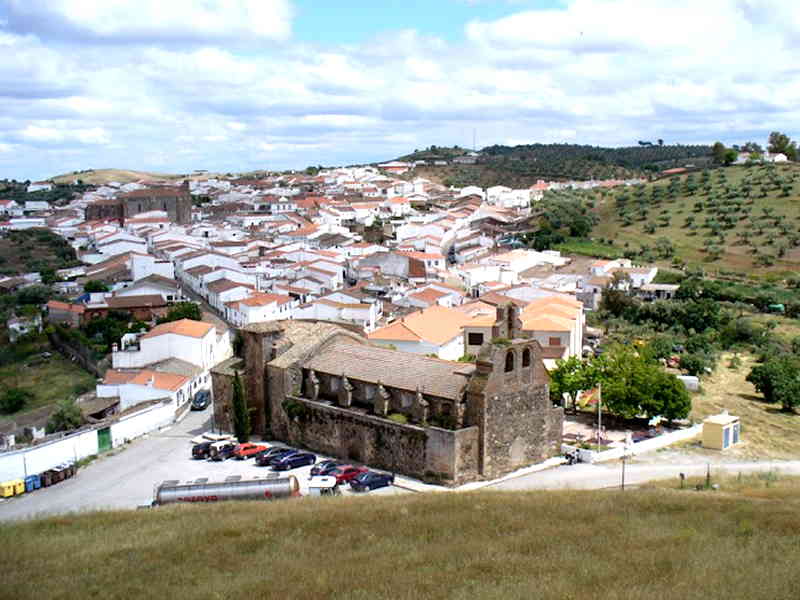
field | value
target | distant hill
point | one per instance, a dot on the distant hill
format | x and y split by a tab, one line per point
522	166
103	176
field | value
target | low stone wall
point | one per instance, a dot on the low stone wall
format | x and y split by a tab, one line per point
427	453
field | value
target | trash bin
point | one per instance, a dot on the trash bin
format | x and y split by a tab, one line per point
73	468
60	475
6	489
46	478
19	486
32	483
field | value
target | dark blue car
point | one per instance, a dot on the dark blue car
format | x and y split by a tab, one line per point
265	458
371	480
292	461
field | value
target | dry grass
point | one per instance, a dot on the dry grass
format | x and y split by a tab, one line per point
651	543
766	431
103	176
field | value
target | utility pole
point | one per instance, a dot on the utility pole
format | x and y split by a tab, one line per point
599	414
628	444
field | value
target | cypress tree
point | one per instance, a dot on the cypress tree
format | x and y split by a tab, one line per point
241	415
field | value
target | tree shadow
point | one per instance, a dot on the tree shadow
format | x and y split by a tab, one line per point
779	411
753	398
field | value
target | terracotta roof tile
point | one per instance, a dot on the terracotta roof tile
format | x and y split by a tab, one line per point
185	327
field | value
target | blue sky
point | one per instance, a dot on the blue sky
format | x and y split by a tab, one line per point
236	85
353	21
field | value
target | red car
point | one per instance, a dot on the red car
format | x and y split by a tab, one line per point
243	451
346	473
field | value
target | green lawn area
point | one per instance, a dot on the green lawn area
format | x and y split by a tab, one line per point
654	543
736	255
49	379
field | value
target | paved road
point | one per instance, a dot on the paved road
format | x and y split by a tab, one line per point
127	478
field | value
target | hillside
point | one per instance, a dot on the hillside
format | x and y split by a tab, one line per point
731	220
522	166
102	176
34	250
739	542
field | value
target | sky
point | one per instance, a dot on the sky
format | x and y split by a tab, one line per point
238	85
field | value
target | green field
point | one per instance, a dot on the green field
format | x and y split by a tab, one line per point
658	543
49	379
736	220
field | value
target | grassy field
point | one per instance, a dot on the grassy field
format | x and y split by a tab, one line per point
50	380
638	544
757	240
102	176
766	431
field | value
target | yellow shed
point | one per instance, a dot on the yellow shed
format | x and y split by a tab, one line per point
720	432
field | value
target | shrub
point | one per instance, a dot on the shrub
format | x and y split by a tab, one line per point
14	399
398	418
66	417
694	364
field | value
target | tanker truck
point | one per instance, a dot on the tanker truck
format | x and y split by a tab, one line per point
273	488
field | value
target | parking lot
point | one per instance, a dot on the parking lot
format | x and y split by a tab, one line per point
126	478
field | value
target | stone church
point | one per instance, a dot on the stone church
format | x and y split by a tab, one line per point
320	386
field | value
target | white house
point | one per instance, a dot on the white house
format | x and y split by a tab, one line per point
259	307
194	342
143	385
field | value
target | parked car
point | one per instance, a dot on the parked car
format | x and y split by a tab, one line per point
264	458
293	460
243	451
221	450
201	450
201	400
346	473
323	467
371	480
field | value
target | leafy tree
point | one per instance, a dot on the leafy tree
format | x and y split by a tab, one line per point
661	346
778	379
66	417
718	152
615	298
780	143
34	294
572	376
673	397
241	414
694	364
630	384
730	157
95	286
182	310
14	399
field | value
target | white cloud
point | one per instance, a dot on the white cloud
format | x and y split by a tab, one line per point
153	20
598	71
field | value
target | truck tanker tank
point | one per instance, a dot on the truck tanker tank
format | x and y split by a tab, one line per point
171	492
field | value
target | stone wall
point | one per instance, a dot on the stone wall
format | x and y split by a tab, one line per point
509	400
256	354
222	383
428	453
522	428
451	456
